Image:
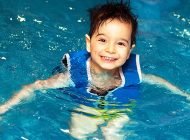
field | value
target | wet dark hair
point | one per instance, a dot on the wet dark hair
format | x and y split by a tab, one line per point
110	11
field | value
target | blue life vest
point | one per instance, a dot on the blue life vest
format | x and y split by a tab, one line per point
78	65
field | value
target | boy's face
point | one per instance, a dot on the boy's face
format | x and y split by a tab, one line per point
110	45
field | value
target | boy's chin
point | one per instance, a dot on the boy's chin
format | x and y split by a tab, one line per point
109	68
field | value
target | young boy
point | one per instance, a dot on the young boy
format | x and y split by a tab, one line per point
106	70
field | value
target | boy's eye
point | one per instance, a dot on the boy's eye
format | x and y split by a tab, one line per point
102	40
121	44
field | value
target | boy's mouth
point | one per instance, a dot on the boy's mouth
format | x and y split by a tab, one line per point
108	59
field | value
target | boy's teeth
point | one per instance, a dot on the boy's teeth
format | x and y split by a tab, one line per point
108	58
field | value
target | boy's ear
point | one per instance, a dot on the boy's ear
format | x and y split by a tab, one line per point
87	42
132	47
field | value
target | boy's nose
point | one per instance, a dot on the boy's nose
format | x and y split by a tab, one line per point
110	48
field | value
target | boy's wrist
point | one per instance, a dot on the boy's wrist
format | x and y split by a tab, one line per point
4	108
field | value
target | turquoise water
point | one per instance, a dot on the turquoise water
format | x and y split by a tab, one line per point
34	36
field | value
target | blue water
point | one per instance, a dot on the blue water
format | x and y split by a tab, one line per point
34	36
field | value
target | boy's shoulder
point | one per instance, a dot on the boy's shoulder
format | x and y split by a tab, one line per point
77	54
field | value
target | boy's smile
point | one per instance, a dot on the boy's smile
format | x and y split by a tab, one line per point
110	45
108	59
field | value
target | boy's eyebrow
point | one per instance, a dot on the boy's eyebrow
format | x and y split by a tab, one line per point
123	39
99	34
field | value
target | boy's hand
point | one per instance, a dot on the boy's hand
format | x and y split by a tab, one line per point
56	81
3	109
153	79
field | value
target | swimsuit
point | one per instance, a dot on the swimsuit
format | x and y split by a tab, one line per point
78	66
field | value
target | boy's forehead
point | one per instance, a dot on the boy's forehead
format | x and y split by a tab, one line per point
117	24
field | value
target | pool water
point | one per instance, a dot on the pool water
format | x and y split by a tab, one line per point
34	36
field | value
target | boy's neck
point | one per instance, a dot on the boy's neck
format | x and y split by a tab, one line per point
102	72
104	79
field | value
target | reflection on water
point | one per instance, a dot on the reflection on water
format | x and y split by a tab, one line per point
35	35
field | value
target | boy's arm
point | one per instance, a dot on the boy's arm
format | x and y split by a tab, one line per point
152	79
56	81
